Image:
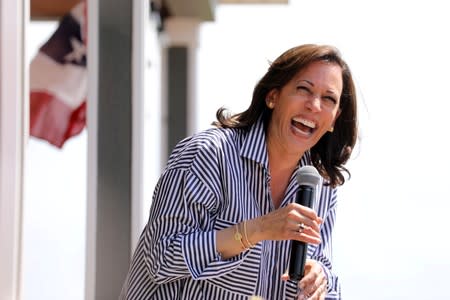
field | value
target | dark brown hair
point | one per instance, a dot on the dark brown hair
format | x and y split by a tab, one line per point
334	149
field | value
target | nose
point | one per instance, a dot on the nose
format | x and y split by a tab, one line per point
313	103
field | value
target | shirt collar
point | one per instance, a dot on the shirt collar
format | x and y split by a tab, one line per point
254	146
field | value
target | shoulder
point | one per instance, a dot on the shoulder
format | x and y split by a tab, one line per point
210	143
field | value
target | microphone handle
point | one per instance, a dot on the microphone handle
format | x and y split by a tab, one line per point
298	258
299	250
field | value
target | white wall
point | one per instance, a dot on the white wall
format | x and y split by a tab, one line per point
391	240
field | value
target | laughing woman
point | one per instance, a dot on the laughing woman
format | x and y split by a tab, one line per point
223	214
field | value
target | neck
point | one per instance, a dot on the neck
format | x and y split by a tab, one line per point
282	164
280	173
280	158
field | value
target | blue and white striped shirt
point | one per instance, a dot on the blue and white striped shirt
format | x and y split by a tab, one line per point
213	180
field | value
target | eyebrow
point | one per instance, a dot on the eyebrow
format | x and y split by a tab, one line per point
307	81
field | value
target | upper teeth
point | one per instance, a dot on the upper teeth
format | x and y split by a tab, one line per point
305	122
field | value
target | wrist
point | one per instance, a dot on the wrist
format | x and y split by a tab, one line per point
253	231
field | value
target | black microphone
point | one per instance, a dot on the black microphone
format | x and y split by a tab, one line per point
308	178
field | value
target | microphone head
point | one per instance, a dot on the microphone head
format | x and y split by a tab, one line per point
308	175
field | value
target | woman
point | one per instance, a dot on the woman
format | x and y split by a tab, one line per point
223	213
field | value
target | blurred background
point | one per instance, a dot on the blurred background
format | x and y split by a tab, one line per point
389	241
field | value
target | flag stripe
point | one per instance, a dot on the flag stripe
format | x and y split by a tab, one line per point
48	112
58	81
66	81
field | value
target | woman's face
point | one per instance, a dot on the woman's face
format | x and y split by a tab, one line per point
305	108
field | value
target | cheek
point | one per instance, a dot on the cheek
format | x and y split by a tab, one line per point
333	116
279	115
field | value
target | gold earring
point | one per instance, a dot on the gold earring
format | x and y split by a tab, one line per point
331	129
270	105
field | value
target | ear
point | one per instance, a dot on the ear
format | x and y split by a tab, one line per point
338	113
271	98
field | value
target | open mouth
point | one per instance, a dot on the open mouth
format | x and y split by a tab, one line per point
303	126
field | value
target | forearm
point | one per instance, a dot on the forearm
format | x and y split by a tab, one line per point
226	243
235	239
193	255
180	239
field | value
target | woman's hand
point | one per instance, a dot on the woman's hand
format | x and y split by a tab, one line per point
292	222
314	284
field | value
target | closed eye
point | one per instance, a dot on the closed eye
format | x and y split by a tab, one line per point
331	99
303	88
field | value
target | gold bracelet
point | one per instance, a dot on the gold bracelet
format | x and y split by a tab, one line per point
250	245
238	237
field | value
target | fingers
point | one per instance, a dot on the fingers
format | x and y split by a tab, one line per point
308	212
291	222
306	223
304	215
323	291
319	293
307	234
314	283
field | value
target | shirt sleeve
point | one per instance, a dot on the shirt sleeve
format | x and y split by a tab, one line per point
180	240
323	252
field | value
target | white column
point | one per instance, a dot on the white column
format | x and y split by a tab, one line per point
92	126
13	124
180	32
141	11
110	135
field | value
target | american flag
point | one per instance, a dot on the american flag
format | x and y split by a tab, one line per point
58	81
